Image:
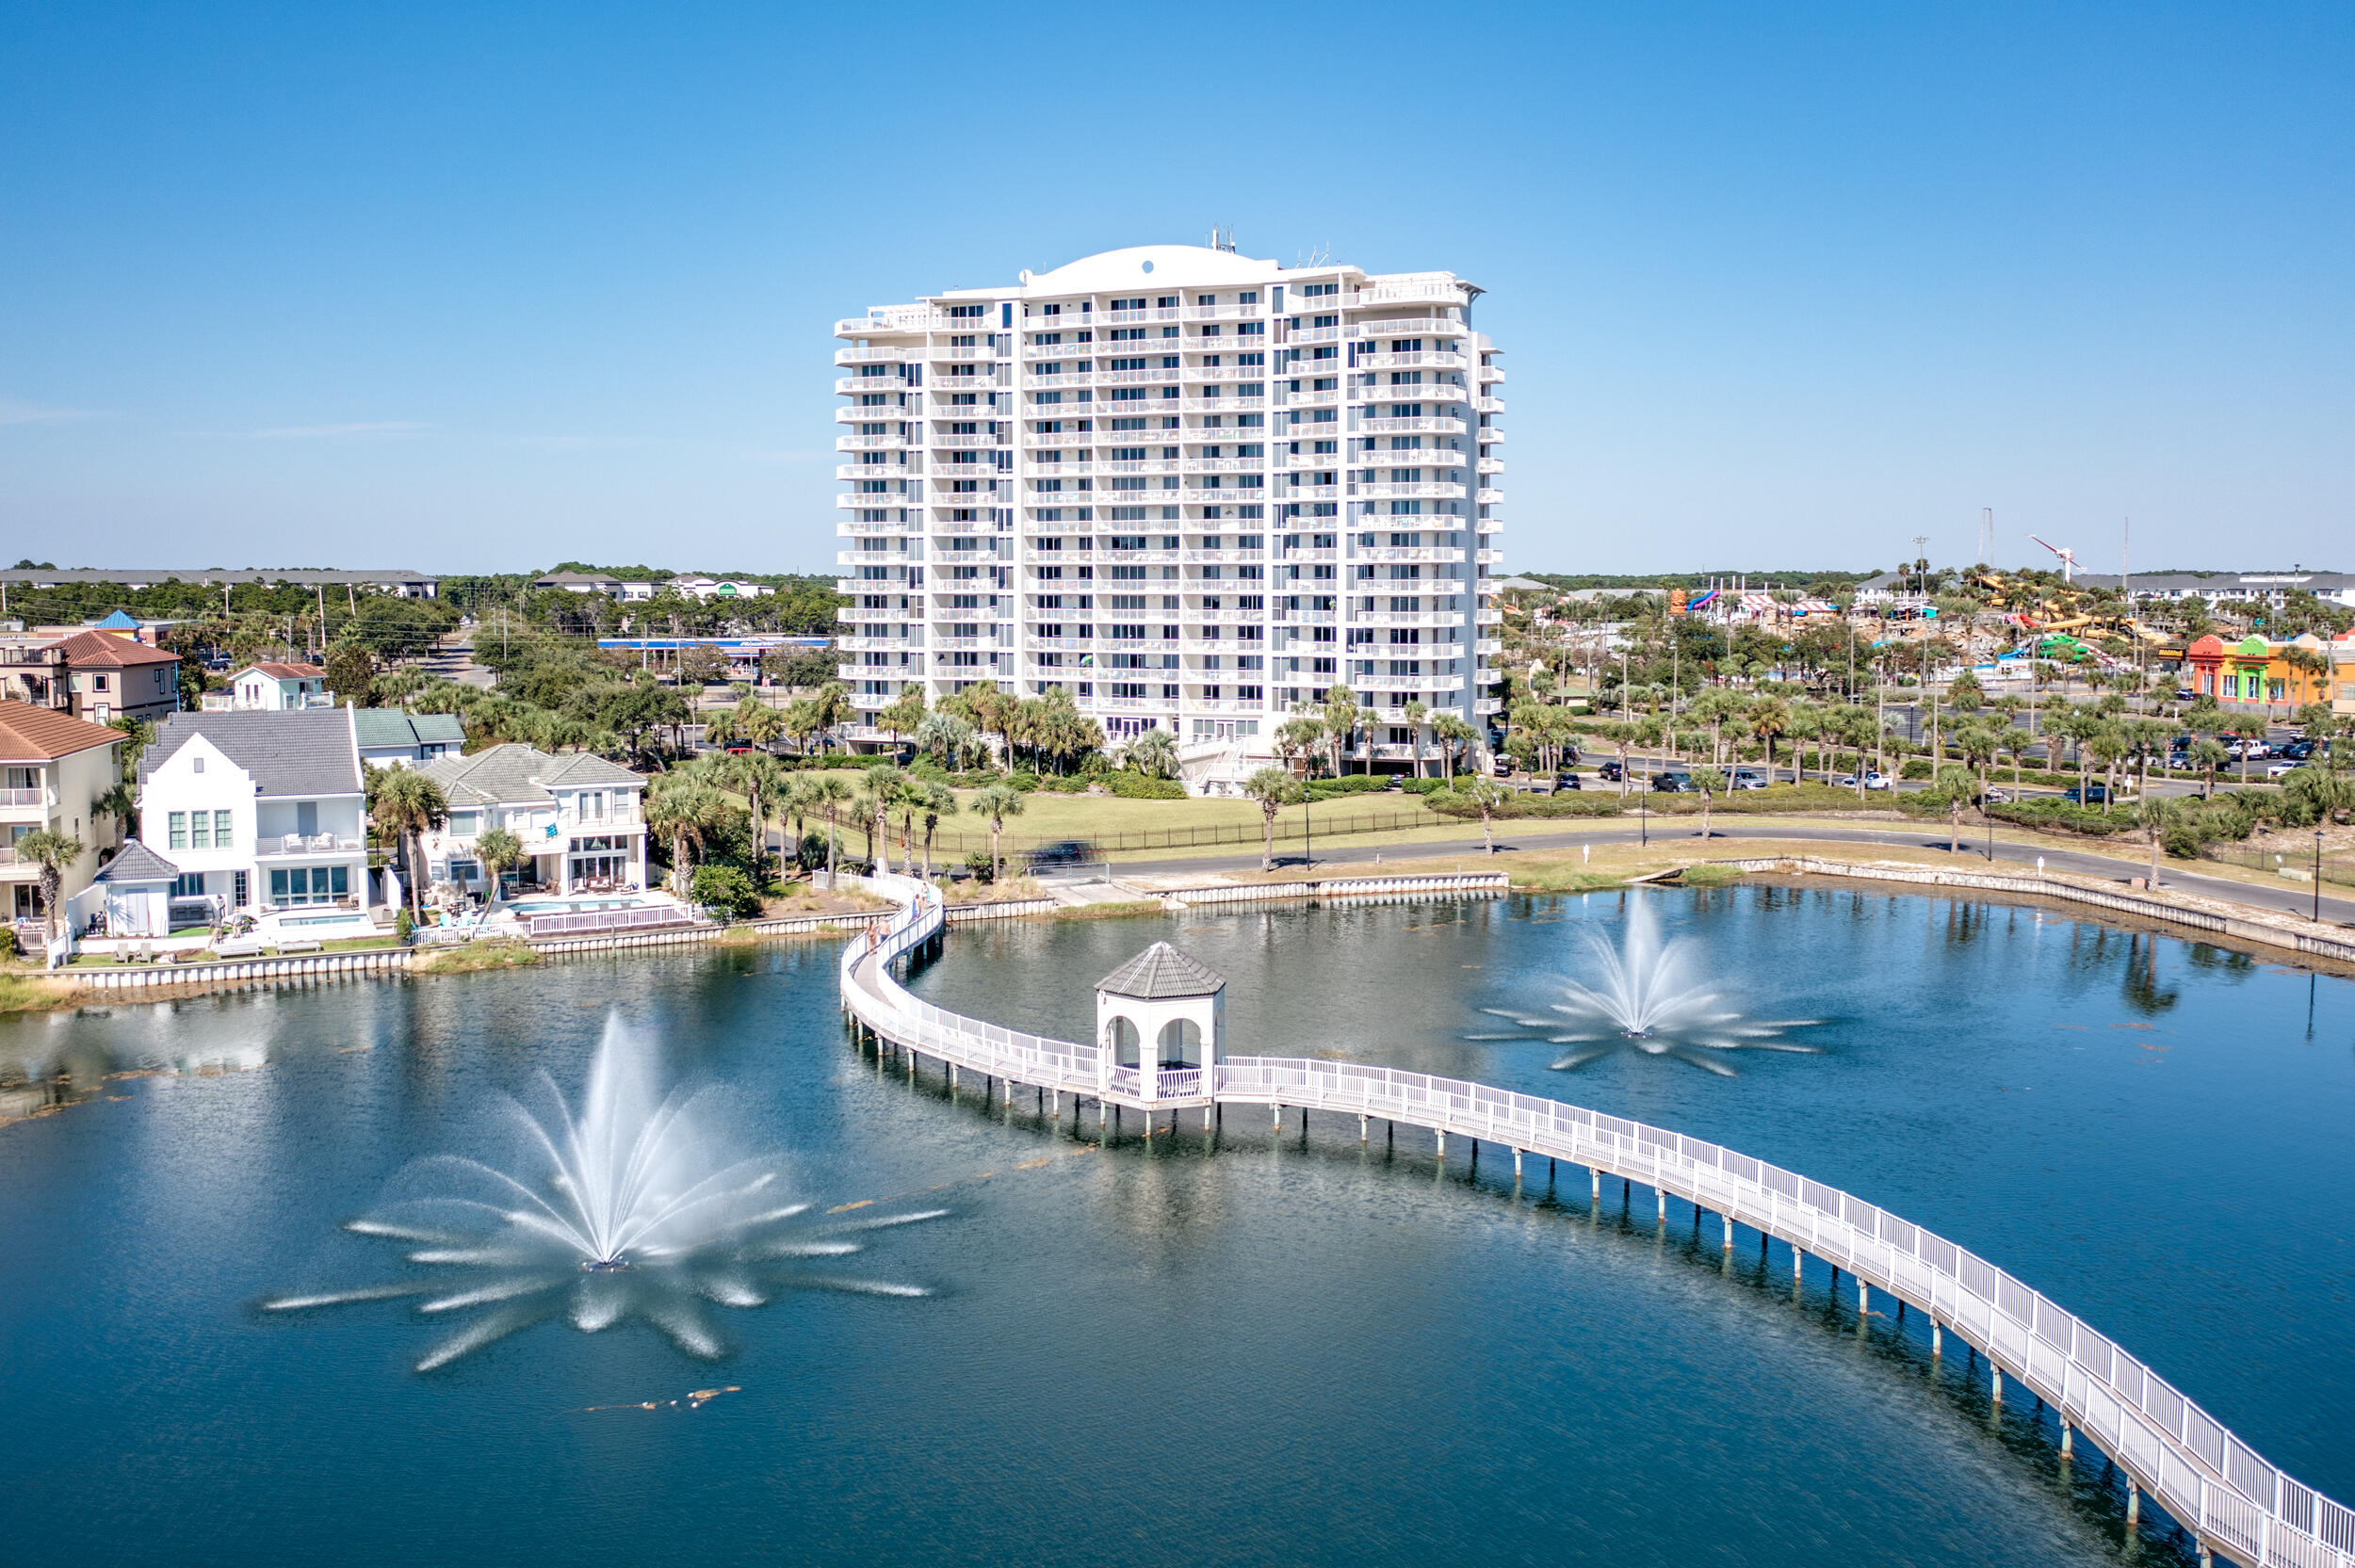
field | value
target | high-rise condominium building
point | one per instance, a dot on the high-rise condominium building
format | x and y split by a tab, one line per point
1189	488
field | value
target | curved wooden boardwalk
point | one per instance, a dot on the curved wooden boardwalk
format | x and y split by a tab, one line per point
2211	1481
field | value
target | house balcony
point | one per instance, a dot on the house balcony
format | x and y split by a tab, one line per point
1489	405
1407	553
1393	489
853	414
874	470
1140	465
1215	405
1317	334
1490	375
281	846
873	356
850	386
959	439
17	802
1058	379
1225	556
873	557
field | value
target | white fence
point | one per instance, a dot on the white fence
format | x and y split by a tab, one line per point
2204	1475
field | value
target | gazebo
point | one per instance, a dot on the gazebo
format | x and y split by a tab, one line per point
1160	1019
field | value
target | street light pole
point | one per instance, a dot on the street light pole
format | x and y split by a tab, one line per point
2317	876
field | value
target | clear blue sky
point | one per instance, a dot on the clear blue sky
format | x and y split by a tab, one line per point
486	286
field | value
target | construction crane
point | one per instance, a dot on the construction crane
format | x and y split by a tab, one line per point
2067	560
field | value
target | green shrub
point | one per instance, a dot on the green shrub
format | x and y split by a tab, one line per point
1426	786
1354	783
1915	767
1023	779
977	863
1136	787
404	926
1573	804
725	888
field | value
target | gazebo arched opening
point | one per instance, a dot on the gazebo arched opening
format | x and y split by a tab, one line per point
1122	1039
1182	1043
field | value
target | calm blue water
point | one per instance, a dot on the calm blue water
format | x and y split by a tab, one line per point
1294	1352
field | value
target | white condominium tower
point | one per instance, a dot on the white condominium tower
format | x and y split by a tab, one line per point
1189	488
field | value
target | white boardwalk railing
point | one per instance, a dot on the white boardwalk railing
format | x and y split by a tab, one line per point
2210	1481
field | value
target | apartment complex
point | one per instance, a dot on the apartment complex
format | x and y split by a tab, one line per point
1189	488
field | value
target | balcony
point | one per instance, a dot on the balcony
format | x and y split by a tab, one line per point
1325	399
1216	405
851	529
1434	291
1490	373
1219	312
1393	489
279	845
1407	552
1488	405
1411	425
855	471
1147	557
873	557
1489	434
1487	498
1220	497
897	319
851	385
1052	439
873	356
879	644
1140	465
853	414
1427	359
1132	377
872	443
1222	465
959	440
1322	553
1061	469
1225	555
1060	378
35	798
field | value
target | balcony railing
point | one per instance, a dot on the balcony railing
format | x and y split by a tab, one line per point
311	844
26	797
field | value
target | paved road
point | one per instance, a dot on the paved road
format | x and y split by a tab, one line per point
2289	897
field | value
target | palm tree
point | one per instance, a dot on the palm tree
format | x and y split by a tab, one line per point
938	801
826	794
1273	788
1453	733
1978	743
1300	735
904	716
411	805
53	852
1710	782
876	797
2208	754
800	722
1153	753
1416	714
831	708
686	806
122	803
500	851
762	781
1623	737
1768	719
757	722
1487	795
996	802
943	734
1340	722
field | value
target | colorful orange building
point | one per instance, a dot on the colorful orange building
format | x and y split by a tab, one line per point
2255	673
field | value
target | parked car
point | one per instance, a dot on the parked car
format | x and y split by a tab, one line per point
1566	780
1610	772
1873	780
1500	766
2275	769
2299	750
2186	694
1994	797
1674	784
2088	795
1747	778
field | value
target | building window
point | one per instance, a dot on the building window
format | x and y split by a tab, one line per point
177	831
188	885
309	884
241	894
200	829
221	833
